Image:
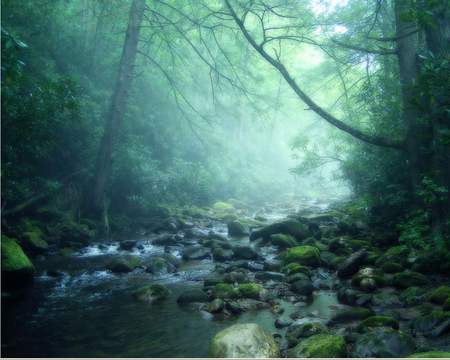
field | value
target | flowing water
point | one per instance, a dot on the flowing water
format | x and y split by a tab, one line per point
85	311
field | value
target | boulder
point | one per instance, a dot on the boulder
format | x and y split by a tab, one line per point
165	240
215	306
378	321
270	275
196	253
191	296
17	269
151	294
288	227
439	295
352	314
383	342
250	290
220	254
294	268
236	228
160	266
305	255
407	279
304	328
413	295
320	346
235	277
351	265
124	264
239	306
245	252
302	287
432	325
244	341
283	241
127	245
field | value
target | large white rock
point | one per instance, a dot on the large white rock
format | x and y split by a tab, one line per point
244	341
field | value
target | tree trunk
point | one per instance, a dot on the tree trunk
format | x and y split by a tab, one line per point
115	112
407	46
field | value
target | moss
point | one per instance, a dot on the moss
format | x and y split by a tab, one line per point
223	206
125	264
358	244
352	314
431	354
13	257
391	267
294	268
320	346
34	240
304	255
225	291
250	290
151	293
439	295
378	321
283	241
397	251
406	279
412	295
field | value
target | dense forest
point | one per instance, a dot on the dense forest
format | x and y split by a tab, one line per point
225	178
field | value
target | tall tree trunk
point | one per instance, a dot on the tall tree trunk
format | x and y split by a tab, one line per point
407	45
115	112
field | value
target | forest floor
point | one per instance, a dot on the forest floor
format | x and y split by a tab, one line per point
296	270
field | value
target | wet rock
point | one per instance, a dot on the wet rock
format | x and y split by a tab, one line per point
160	266
368	279
294	268
386	298
245	253
215	306
378	321
165	239
191	296
304	255
270	275
272	265
127	245
124	264
244	341
433	324
236	228
322	346
235	277
196	253
289	227
351	265
212	280
439	295
282	323
195	233
151	294
407	279
303	328
413	295
220	254
17	269
239	306
283	241
302	287
383	342
391	267
297	277
352	314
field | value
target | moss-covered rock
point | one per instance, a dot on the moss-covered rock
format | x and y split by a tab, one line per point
383	342
191	296
237	228
302	329
407	279
294	228
378	321
430	354
413	295
17	269
250	290
294	268
244	341
352	314
320	346
368	279
283	241
151	294
225	291
223	206
33	240
304	255
391	267
124	264
439	295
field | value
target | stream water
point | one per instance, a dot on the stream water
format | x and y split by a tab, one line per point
86	311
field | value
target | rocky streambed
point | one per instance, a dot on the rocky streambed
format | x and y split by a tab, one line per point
297	281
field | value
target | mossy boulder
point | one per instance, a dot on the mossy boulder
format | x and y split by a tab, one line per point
124	264
221	254
352	314
283	241
244	341
439	295
297	229
433	324
368	279
237	228
320	346
151	294
378	321
245	252
302	328
407	279
391	267
72	234
302	287
17	269
413	295
250	290
433	261
304	255
33	239
223	206
430	354
225	291
383	342
294	268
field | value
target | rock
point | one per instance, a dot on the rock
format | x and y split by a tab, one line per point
250	290
235	277
386	298
320	346
220	254
305	255
195	253
225	291
368	279
378	321
383	342
71	233
127	245
212	280
446	305
289	227
297	277
439	295
270	275
124	264
294	268
244	341
433	324
245	253
241	305
171	259
433	261
351	265
165	239
303	328
431	354
413	295
17	269
191	296
282	323
272	265
236	228
407	279
283	241
302	287
352	314
151	294
215	306
33	240
159	266
391	267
